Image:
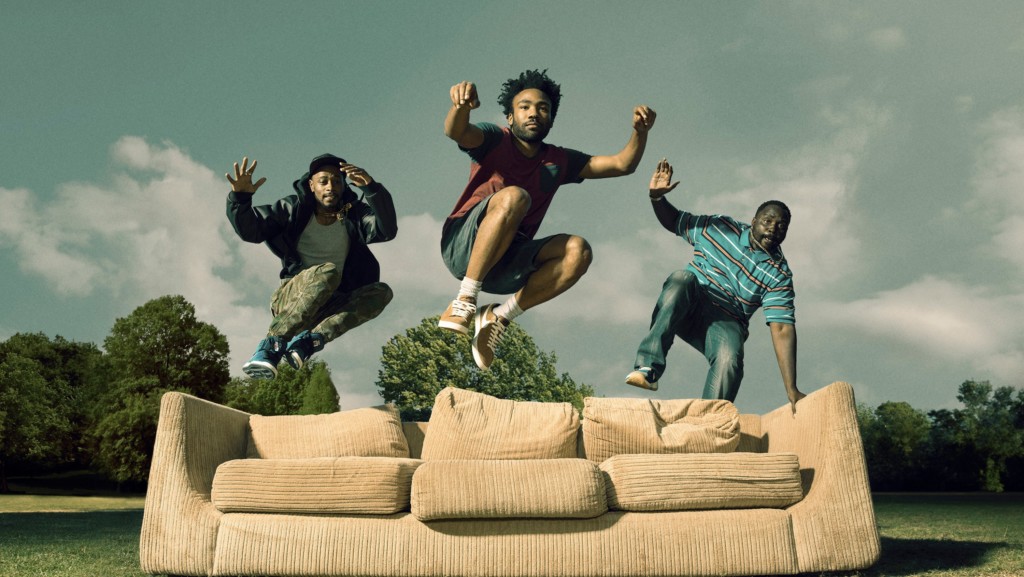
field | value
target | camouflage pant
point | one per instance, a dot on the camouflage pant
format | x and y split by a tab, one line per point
308	301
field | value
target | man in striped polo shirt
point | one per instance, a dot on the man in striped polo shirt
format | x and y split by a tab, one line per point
736	269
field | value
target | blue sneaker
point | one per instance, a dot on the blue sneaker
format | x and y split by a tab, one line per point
302	346
263	364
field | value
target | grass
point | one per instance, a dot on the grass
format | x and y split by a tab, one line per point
963	535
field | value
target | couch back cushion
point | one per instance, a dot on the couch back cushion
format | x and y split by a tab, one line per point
679	482
342	485
365	432
534	488
617	426
470	425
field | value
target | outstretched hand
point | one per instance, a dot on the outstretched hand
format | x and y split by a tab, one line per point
464	94
357	175
643	119
661	180
242	182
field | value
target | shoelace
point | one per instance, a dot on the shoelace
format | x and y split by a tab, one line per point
496	333
463	309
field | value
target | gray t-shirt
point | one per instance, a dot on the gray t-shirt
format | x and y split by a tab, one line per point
321	244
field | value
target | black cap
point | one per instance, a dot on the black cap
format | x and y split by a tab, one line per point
324	160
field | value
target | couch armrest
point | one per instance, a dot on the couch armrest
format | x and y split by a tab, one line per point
179	526
834	525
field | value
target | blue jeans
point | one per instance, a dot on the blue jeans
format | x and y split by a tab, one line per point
684	310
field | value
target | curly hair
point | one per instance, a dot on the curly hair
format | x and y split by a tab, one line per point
782	207
530	79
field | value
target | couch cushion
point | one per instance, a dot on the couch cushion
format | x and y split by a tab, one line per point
354	485
702	481
616	426
470	425
366	432
537	488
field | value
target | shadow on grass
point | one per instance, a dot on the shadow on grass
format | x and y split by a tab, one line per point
907	557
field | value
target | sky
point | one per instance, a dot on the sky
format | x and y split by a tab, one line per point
893	130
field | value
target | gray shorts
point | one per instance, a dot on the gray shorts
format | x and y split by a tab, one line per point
511	271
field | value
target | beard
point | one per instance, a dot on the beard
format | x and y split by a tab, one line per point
333	206
534	135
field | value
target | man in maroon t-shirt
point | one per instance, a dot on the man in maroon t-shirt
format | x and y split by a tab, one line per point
488	240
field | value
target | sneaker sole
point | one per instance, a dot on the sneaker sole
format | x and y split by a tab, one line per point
294	359
259	370
477	325
643	384
456	327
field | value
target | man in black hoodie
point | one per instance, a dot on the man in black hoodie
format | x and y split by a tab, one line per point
330	281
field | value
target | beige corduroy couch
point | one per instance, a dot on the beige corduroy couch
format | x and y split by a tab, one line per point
492	494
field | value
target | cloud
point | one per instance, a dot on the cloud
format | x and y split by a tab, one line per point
819	183
998	186
157	228
944	319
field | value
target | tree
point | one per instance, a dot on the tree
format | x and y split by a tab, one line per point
76	371
163	339
319	395
307	391
989	423
33	414
895	437
415	366
159	347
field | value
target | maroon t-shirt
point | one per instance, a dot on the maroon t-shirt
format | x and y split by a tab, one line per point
498	164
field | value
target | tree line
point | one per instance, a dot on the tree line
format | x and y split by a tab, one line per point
979	446
67	405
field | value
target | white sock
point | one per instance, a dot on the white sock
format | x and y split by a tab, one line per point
509	309
470	288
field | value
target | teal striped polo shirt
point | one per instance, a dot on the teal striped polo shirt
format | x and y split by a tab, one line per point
737	278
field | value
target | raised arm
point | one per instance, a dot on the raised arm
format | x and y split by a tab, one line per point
375	213
661	184
626	161
252	224
457	125
784	340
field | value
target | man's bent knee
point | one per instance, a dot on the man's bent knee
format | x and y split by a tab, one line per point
509	200
681	279
578	255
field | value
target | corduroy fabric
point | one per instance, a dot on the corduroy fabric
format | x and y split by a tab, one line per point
832	528
751	436
179	525
366	432
536	488
415	432
834	525
617	426
616	544
356	485
702	481
470	425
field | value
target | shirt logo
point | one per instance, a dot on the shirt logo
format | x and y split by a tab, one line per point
548	177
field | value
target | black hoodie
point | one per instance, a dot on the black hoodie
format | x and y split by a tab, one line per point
370	219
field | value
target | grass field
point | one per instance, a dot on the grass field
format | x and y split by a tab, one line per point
934	535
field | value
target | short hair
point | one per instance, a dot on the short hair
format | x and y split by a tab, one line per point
782	206
530	79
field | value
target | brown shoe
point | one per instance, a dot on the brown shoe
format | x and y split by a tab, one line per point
489	330
638	378
458	316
